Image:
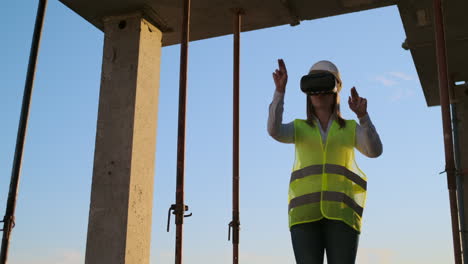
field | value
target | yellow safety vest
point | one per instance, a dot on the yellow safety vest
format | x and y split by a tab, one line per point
326	181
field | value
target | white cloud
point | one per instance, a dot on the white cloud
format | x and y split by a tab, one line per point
69	256
375	256
397	95
225	256
385	81
393	78
401	93
402	76
252	258
63	256
364	256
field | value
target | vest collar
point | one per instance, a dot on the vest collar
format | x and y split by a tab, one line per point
330	122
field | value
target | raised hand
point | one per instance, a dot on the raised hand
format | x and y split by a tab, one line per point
280	76
357	104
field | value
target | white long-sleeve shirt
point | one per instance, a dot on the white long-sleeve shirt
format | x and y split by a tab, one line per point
367	139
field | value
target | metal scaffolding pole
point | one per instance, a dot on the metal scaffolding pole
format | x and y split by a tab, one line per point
459	181
179	207
9	218
447	126
235	223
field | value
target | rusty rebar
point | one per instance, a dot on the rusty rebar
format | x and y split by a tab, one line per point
447	126
8	220
180	206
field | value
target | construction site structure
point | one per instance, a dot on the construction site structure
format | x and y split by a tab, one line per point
119	224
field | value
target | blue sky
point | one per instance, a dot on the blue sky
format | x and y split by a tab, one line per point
407	216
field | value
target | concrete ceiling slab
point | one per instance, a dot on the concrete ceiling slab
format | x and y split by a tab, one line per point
213	18
417	17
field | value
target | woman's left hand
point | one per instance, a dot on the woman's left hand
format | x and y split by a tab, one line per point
357	103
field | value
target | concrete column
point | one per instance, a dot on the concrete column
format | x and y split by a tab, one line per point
119	228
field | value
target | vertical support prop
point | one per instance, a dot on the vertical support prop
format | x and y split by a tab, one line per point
447	126
459	181
235	223
8	220
180	208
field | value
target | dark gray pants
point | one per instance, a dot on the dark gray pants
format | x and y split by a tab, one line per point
336	238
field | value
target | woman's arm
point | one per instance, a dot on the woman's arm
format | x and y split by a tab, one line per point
367	139
281	132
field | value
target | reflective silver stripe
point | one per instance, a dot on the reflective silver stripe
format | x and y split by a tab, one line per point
329	168
341	197
327	196
304	199
306	171
337	169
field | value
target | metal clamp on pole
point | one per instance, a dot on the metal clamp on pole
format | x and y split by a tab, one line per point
233	225
9	224
174	211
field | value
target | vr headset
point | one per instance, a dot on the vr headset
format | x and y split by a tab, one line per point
318	83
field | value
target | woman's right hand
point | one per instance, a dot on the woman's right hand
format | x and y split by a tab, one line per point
280	76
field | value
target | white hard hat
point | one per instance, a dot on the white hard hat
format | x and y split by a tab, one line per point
328	66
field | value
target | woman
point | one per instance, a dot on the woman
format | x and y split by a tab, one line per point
327	189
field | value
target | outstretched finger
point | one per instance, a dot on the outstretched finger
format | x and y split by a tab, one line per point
281	65
354	93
